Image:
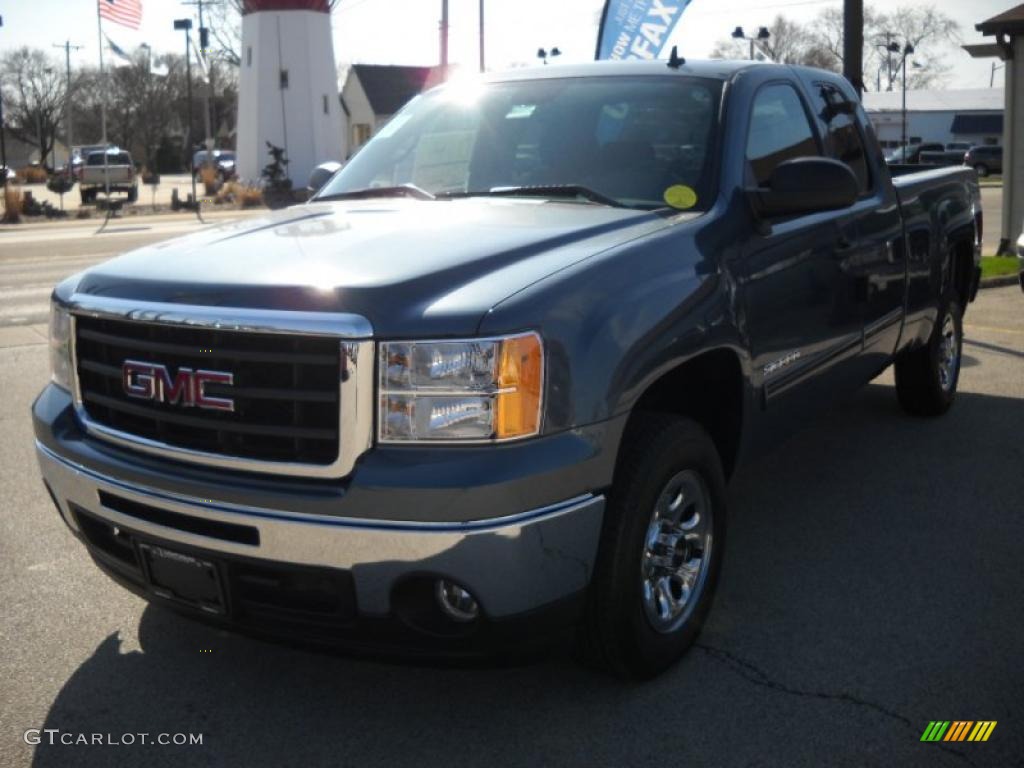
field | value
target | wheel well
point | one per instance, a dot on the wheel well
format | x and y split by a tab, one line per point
709	390
961	271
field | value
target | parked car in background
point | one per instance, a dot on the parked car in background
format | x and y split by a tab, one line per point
951	154
1020	245
912	155
985	159
222	159
114	173
79	155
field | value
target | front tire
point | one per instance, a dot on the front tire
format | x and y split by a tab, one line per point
927	377
981	169
661	548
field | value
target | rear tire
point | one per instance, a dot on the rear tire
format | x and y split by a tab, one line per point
133	194
927	377
982	170
661	548
88	196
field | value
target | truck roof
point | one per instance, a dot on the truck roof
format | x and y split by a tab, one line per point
718	69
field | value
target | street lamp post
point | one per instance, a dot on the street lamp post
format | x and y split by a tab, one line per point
186	26
762	35
905	52
544	55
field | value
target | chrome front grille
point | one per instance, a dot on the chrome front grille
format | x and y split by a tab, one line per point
301	390
285	390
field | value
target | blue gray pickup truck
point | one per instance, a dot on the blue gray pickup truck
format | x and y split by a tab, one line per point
487	387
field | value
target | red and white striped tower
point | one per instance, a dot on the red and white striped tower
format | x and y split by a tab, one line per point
288	86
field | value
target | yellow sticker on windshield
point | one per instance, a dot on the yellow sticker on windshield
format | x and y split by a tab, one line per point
681	197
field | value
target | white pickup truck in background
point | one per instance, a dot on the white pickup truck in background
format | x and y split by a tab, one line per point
114	173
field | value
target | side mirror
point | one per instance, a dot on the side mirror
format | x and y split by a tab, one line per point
321	175
806	185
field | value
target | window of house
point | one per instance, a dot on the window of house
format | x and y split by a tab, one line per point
843	141
779	131
360	134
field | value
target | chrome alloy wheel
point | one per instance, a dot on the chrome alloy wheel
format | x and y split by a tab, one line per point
949	353
677	551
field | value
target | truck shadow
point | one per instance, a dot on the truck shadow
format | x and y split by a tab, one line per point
853	517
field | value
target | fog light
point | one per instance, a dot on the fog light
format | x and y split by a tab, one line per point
456	602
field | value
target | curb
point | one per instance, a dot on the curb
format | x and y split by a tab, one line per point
999	282
147	218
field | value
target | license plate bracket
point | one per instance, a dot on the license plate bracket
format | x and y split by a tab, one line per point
183	578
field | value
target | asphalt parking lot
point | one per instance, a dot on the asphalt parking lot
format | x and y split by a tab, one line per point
873	584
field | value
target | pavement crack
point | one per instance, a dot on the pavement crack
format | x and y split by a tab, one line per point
757	676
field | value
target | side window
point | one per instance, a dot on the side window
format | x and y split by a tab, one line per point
844	141
779	131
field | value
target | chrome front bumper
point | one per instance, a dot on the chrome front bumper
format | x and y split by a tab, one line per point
512	564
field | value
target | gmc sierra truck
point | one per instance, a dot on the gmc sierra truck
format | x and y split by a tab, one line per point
489	384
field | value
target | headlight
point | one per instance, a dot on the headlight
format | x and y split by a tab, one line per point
469	391
60	346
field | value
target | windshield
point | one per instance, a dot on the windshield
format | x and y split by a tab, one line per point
628	139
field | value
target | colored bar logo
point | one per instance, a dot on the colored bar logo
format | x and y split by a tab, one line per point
958	730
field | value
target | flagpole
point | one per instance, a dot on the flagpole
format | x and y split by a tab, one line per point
103	104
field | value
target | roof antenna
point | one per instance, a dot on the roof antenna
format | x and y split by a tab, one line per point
675	61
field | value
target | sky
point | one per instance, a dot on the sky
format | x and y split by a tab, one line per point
406	31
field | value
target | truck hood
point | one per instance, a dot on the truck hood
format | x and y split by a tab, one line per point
409	267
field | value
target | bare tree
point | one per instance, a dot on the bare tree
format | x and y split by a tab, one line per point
930	31
789	42
34	92
225	23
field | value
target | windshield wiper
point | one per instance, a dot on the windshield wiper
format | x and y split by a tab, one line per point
403	190
544	190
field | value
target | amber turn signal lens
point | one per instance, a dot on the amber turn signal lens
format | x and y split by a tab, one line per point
520	382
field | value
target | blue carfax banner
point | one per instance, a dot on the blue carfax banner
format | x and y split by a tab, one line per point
637	29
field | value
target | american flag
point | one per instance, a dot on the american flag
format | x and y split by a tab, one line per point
126	12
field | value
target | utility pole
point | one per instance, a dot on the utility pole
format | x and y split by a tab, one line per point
67	46
888	58
3	131
482	59
444	39
209	98
185	25
853	43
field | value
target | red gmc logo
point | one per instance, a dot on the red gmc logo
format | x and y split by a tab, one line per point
152	381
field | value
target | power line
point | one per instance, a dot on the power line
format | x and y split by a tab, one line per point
769	8
342	7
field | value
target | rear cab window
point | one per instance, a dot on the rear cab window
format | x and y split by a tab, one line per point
843	138
113	158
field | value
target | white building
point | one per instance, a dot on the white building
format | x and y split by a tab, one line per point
288	86
373	93
972	115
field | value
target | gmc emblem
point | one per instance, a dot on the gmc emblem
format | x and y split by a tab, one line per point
151	381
